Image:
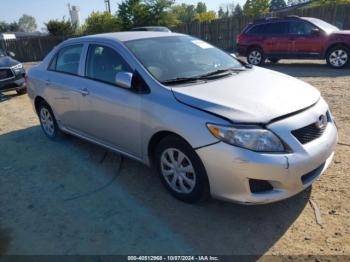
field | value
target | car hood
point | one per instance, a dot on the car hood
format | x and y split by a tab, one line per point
342	33
6	61
255	96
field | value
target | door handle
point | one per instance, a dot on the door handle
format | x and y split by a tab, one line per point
84	91
47	82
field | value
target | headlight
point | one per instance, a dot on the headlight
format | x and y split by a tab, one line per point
17	67
252	138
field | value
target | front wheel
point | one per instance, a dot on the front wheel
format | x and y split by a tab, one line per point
338	57
21	91
255	56
181	170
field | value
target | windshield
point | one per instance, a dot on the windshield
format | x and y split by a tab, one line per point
2	53
328	28
175	57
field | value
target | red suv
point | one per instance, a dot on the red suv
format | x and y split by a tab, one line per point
294	38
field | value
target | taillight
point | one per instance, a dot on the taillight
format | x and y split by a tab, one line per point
239	38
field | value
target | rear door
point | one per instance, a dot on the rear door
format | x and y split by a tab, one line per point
306	43
277	41
64	85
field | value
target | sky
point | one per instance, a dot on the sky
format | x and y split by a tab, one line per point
44	10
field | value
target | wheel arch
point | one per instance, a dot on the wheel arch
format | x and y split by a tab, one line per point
37	101
250	47
334	45
156	138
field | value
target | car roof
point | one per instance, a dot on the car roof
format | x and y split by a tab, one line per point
130	35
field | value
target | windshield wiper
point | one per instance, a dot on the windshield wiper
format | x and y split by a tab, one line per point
216	73
180	80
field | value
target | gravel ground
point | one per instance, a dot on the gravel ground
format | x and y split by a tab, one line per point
72	197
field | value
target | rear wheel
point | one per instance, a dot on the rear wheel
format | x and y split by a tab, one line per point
48	121
181	170
255	56
338	57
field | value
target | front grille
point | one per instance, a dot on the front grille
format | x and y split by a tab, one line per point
311	132
6	74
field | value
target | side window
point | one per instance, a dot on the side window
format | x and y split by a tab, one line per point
103	63
280	28
300	28
67	60
256	30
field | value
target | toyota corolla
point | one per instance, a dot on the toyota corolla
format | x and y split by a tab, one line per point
209	123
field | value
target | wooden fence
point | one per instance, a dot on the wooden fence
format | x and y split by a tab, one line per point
223	32
220	32
32	48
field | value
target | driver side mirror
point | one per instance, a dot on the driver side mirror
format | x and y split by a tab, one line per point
124	79
12	54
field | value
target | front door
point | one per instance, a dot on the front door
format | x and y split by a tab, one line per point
111	114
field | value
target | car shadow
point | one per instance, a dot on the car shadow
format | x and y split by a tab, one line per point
308	69
72	197
7	96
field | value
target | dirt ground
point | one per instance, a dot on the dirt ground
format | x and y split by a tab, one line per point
72	197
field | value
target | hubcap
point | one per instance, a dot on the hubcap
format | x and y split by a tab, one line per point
254	57
338	58
47	121
178	171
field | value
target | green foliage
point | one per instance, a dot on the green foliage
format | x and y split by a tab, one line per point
99	22
184	13
132	13
255	8
238	10
206	16
61	28
27	23
8	27
201	8
159	13
277	4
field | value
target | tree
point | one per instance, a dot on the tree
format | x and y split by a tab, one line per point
132	13
277	4
61	28
256	7
99	22
238	11
159	13
201	8
8	27
27	23
206	16
184	13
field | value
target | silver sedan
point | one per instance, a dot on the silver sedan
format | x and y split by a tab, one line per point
209	123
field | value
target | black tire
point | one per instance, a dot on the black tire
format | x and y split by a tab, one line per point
200	191
274	60
56	133
332	56
255	56
21	91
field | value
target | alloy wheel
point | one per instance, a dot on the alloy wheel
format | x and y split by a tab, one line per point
178	171
47	121
255	57
338	58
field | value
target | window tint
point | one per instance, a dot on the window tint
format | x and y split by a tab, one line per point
67	60
256	30
103	63
300	28
276	28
